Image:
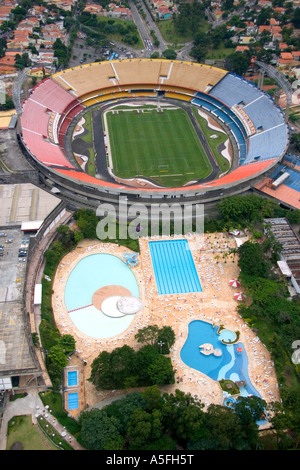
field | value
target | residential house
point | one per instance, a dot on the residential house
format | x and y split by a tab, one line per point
246	40
94	8
38	11
39	72
287	59
5	12
274	29
241	48
63	4
265	3
296	55
118	11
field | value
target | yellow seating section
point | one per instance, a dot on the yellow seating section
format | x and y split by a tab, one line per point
137	72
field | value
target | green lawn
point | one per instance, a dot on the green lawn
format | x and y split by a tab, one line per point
160	145
88	126
214	139
21	429
173	37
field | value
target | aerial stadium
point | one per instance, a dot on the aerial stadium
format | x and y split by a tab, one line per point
147	141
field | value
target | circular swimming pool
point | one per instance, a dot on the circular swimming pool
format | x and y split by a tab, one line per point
100	272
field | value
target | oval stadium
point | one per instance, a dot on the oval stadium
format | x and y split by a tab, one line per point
132	128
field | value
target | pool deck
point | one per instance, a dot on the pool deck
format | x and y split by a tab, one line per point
215	304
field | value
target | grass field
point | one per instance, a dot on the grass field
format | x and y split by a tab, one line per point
22	430
160	145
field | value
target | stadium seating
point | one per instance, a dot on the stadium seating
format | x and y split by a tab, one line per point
233	90
267	144
92	77
44	151
259	106
194	76
35	118
227	117
56	101
52	96
65	119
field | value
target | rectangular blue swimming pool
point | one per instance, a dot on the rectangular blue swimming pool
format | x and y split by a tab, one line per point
174	267
72	401
72	378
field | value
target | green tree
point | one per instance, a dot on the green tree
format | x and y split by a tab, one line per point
295	139
123	408
153	398
243	210
87	222
252	260
250	409
67	342
293	216
143	428
56	361
165	339
183	415
296	18
99	431
146	356
161	372
112	370
170	54
67	235
148	335
222	431
162	338
238	62
199	53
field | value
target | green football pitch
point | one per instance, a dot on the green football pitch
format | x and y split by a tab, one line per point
161	145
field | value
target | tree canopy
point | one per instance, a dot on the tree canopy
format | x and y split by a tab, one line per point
152	420
124	368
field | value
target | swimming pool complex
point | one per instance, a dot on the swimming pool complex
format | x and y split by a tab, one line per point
174	267
91	274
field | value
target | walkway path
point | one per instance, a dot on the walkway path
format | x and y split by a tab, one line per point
31	405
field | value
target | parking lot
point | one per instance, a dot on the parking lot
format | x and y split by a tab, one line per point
12	264
83	53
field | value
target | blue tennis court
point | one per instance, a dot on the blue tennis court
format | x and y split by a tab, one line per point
72	401
72	378
174	267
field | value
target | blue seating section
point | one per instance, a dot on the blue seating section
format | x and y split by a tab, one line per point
233	90
272	133
226	115
263	113
268	144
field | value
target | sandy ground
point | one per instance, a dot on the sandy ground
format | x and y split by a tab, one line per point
216	305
